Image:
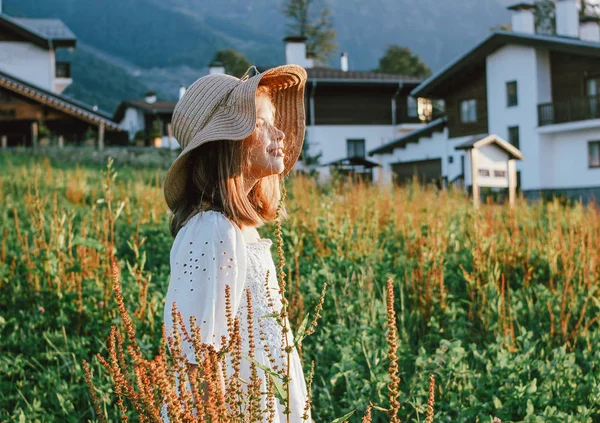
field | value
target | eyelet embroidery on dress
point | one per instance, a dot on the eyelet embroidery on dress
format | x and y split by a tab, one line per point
266	299
257	265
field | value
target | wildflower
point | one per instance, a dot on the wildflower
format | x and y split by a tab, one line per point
496	420
41	309
100	303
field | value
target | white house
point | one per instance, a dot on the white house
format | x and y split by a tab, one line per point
29	51
539	92
147	120
350	112
33	110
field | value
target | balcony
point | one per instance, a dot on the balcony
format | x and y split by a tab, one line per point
63	70
572	110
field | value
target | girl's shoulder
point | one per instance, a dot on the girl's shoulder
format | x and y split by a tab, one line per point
210	225
206	220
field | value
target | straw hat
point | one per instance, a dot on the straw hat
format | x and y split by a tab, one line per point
222	107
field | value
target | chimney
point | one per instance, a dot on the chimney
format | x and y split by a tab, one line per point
182	91
216	67
522	18
295	51
150	97
589	29
344	61
567	18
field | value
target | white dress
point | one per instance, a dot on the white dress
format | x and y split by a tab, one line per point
208	253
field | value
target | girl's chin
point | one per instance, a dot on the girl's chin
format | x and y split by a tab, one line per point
278	165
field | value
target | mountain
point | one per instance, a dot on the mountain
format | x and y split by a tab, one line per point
437	30
129	46
98	81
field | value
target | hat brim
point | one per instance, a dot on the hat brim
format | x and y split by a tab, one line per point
235	119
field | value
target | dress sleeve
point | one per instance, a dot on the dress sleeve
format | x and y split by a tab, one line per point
208	253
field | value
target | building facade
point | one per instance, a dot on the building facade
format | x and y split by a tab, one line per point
147	121
350	112
33	110
539	92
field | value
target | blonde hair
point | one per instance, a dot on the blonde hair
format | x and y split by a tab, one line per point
216	182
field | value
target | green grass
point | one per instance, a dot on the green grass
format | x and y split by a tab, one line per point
499	305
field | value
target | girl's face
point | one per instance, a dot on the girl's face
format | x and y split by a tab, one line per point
264	147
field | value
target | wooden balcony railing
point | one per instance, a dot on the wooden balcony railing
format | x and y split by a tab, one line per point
571	110
63	70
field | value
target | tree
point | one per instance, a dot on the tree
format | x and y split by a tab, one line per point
235	63
590	8
317	27
545	14
401	61
545	18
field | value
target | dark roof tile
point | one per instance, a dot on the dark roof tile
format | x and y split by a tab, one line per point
157	107
338	75
50	29
437	84
45	33
63	103
412	137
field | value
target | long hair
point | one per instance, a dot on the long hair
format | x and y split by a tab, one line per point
216	182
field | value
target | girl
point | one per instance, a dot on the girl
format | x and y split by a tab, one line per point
239	138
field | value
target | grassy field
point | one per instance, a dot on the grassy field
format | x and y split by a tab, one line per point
501	306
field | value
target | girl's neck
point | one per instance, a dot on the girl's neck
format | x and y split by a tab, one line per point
250	234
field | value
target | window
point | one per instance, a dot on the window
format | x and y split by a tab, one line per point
484	172
513	136
499	174
450	159
356	148
413	107
594	153
511	94
468	111
592	86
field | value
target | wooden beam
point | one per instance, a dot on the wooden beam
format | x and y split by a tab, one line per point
34	134
101	137
474	174
4	141
61	141
512	182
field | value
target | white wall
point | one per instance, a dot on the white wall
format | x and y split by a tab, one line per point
492	158
566	160
133	121
28	62
331	141
531	70
544	76
438	146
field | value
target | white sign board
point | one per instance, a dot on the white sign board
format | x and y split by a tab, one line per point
492	167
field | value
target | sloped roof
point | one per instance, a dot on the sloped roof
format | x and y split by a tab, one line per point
435	86
353	161
323	74
478	141
62	103
412	137
45	33
522	6
332	74
152	108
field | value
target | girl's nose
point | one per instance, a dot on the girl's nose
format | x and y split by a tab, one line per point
277	134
